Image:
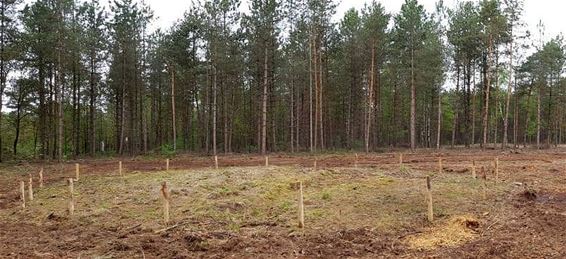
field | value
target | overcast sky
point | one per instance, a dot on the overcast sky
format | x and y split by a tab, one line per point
551	12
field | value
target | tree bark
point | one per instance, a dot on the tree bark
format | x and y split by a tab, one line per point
264	105
310	93
539	114
413	102
487	90
214	108
369	117
439	119
508	99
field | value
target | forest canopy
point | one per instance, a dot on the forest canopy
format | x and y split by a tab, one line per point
79	79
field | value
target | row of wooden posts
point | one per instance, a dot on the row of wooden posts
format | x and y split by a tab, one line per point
166	195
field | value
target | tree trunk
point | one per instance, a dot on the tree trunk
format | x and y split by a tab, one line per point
320	105
2	66
214	108
508	99
174	126
369	117
413	102
92	110
456	110
539	114
264	105
516	118
292	110
310	93
487	89
315	64
439	119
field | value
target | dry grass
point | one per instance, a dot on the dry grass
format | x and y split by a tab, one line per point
231	198
448	233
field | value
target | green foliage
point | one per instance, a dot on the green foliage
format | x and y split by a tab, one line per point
167	150
116	78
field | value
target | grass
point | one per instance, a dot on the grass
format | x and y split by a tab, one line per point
231	198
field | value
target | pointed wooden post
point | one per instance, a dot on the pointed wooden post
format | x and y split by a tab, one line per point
429	199
301	207
41	178
440	170
474	169
216	162
120	168
30	188
23	193
71	196
77	172
496	169
356	162
167	165
315	164
400	158
266	161
484	185
165	195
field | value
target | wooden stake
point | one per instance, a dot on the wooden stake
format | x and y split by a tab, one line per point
30	188
216	162
167	164
266	161
301	207
400	158
77	172
496	169
429	199
474	169
356	162
120	168
440	165
314	166
41	178
71	196
484	189
166	196
23	193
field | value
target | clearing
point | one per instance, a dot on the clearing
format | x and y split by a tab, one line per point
371	206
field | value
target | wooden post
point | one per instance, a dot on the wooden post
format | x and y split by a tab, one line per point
216	162
266	161
484	185
41	178
301	207
356	162
315	164
474	169
30	188
400	158
120	168
23	193
166	196
429	199
167	164
440	165
71	196
496	169
77	172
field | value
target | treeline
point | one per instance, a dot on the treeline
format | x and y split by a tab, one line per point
79	79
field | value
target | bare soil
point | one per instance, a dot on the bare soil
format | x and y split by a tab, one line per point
372	207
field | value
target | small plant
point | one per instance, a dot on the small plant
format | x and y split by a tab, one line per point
326	196
167	150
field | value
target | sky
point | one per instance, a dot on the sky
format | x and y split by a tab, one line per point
550	12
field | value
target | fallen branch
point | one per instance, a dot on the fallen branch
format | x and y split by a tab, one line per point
166	229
